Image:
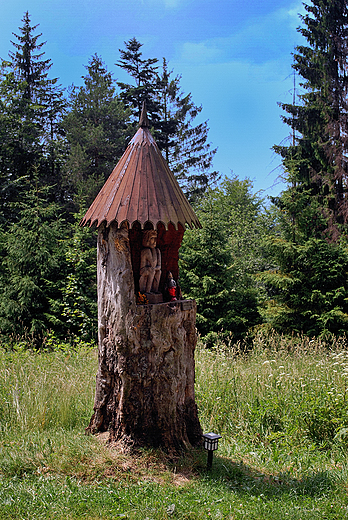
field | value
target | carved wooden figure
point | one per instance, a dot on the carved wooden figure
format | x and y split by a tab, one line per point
150	263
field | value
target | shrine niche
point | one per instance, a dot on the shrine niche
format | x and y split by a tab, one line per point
168	242
146	332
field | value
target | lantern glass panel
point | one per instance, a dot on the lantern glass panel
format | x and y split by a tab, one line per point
211	441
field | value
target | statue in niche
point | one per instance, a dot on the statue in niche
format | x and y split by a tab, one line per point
171	287
150	263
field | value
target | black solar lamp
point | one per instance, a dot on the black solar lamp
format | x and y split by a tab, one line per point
210	443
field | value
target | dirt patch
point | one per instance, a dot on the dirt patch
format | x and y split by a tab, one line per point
180	480
147	465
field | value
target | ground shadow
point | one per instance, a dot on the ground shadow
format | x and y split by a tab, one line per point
234	476
244	479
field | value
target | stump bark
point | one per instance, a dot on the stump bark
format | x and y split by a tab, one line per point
145	380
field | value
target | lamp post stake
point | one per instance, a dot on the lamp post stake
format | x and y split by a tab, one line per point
210	443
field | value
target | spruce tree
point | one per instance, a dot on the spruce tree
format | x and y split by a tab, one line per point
32	106
218	263
77	308
185	146
172	115
315	162
42	98
33	265
307	289
96	131
144	73
11	158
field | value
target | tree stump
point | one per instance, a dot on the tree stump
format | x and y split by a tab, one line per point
145	380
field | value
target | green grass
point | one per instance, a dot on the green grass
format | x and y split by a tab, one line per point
282	410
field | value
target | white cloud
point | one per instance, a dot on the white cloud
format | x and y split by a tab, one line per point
168	4
171	3
260	40
294	12
200	52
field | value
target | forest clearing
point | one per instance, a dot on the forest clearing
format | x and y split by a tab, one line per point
280	262
264	282
281	409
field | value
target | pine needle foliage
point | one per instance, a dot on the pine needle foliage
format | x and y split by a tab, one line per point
32	265
315	162
308	291
96	132
172	116
218	263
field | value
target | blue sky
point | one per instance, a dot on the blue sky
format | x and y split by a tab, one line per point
234	57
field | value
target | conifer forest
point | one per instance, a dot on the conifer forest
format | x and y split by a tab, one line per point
257	264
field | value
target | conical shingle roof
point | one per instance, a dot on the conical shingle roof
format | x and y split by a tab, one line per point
141	188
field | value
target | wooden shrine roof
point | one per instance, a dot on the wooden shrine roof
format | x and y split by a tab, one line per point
141	189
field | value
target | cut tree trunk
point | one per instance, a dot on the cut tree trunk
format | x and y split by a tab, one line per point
145	380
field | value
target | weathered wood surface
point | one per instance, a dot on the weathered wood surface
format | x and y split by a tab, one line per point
145	380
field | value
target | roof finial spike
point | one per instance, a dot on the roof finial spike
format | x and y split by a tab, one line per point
144	122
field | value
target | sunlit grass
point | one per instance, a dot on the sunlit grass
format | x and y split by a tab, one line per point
281	409
44	391
281	398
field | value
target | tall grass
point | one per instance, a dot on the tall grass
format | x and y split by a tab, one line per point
40	392
281	408
280	401
46	400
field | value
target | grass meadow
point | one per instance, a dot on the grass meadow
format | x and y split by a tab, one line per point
281	408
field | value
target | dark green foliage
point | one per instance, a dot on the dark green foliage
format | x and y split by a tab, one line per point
30	68
32	265
32	196
315	162
48	280
144	73
309	290
171	115
247	222
204	259
78	306
217	263
32	106
10	158
96	132
48	277
185	146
